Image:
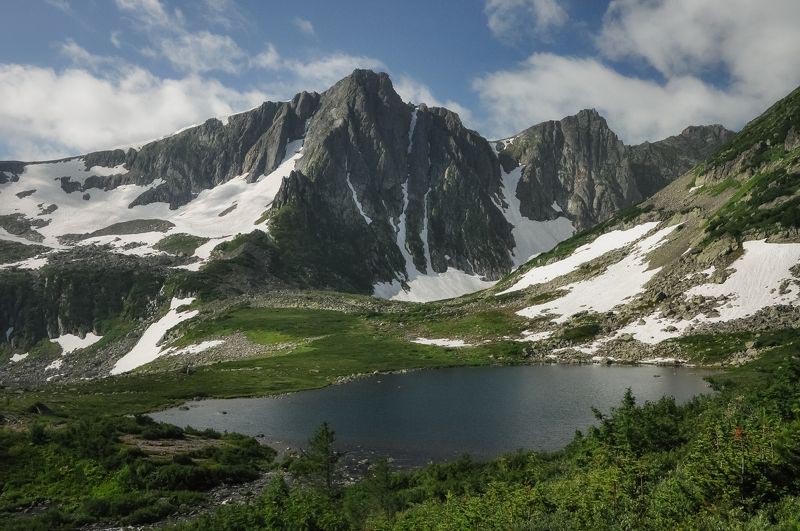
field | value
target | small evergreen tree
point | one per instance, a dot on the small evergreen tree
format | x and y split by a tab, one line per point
320	460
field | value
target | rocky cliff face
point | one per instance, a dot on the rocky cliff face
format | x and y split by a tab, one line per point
580	166
380	193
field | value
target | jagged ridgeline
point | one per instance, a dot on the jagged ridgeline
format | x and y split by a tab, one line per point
352	190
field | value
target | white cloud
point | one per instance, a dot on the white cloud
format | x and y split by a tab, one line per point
115	39
304	25
510	20
416	92
202	52
548	86
269	58
80	56
149	12
291	75
225	13
751	46
46	113
322	72
755	43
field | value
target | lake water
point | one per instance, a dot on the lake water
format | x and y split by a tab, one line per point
434	415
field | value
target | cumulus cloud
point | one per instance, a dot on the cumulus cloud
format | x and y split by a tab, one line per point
693	44
756	43
548	86
510	20
416	92
304	25
45	113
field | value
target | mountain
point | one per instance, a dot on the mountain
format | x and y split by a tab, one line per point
355	190
700	271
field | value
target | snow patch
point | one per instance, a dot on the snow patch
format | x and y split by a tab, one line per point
105	171
442	342
411	129
200	217
619	283
196	349
148	349
54	366
754	285
527	335
71	342
432	287
18	357
355	200
530	237
603	244
30	263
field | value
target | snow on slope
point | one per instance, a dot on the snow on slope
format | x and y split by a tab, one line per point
618	284
195	349
603	244
200	217
148	348
70	342
754	285
30	263
531	237
355	200
432	287
442	342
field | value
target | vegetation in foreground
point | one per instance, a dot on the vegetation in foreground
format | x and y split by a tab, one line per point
731	460
62	473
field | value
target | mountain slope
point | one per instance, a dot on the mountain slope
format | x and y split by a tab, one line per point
710	261
356	189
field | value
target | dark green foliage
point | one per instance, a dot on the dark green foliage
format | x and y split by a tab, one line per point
88	470
769	202
765	135
580	333
78	297
180	243
318	463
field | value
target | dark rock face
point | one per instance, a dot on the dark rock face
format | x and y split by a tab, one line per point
413	171
202	157
582	166
75	293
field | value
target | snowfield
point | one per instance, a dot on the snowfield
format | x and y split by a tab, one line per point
603	244
76	213
195	349
756	283
37	262
70	342
148	348
531	237
432	287
618	284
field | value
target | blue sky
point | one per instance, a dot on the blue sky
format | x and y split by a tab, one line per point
81	75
